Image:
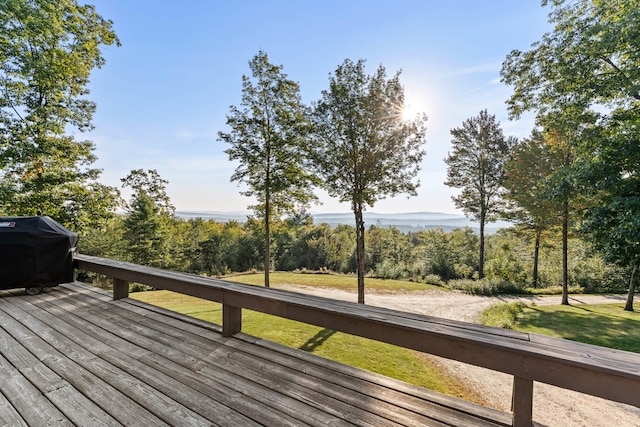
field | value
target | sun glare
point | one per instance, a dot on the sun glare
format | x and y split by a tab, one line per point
409	112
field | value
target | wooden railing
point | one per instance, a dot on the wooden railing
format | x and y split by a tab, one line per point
598	371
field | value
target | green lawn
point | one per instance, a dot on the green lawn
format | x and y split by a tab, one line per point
385	359
606	325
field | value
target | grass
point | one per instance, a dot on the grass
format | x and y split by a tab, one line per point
606	325
332	281
396	362
502	315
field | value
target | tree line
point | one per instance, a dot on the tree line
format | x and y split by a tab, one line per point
150	233
577	172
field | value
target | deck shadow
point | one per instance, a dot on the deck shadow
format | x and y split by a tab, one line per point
317	340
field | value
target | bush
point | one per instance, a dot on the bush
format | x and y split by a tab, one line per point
139	287
433	279
473	287
388	269
509	288
553	290
507	269
504	315
486	287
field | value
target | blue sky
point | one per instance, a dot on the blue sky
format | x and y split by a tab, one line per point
164	94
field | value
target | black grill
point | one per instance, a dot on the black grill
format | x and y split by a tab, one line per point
35	252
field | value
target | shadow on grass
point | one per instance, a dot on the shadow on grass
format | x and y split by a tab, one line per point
317	340
584	325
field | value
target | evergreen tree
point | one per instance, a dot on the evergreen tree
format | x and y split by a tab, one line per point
146	224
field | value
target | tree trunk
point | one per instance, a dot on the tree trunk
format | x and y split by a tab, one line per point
267	239
565	253
632	289
481	263
536	258
357	210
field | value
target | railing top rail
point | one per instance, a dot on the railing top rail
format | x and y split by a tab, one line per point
607	373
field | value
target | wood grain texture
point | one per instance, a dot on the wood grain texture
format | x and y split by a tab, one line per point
75	356
613	375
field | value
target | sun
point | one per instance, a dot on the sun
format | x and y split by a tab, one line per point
409	112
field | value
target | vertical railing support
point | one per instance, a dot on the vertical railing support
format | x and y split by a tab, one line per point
120	289
522	402
231	320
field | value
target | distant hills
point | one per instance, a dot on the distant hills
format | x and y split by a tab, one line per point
405	222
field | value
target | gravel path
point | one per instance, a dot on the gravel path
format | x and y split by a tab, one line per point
552	406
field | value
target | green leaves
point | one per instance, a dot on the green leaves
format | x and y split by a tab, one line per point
583	79
476	166
268	137
527	176
611	175
47	52
589	59
364	151
146	224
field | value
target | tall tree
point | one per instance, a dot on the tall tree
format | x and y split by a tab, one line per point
476	165
612	177
586	72
268	138
364	151
562	187
531	164
47	51
146	227
151	184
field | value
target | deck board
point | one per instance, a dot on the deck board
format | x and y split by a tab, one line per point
73	356
344	399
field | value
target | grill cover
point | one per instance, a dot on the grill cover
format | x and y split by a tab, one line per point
35	252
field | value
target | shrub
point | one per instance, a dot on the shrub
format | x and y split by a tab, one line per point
433	279
473	287
509	288
388	269
553	290
139	287
503	315
486	286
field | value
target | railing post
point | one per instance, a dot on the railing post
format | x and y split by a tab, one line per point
522	402
120	288
231	320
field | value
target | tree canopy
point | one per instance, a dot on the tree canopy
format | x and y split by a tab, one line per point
591	58
268	139
146	223
526	180
476	166
364	151
585	76
47	51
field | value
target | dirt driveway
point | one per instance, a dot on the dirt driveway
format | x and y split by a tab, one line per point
552	406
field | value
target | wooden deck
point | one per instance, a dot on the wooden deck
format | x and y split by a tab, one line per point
75	356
